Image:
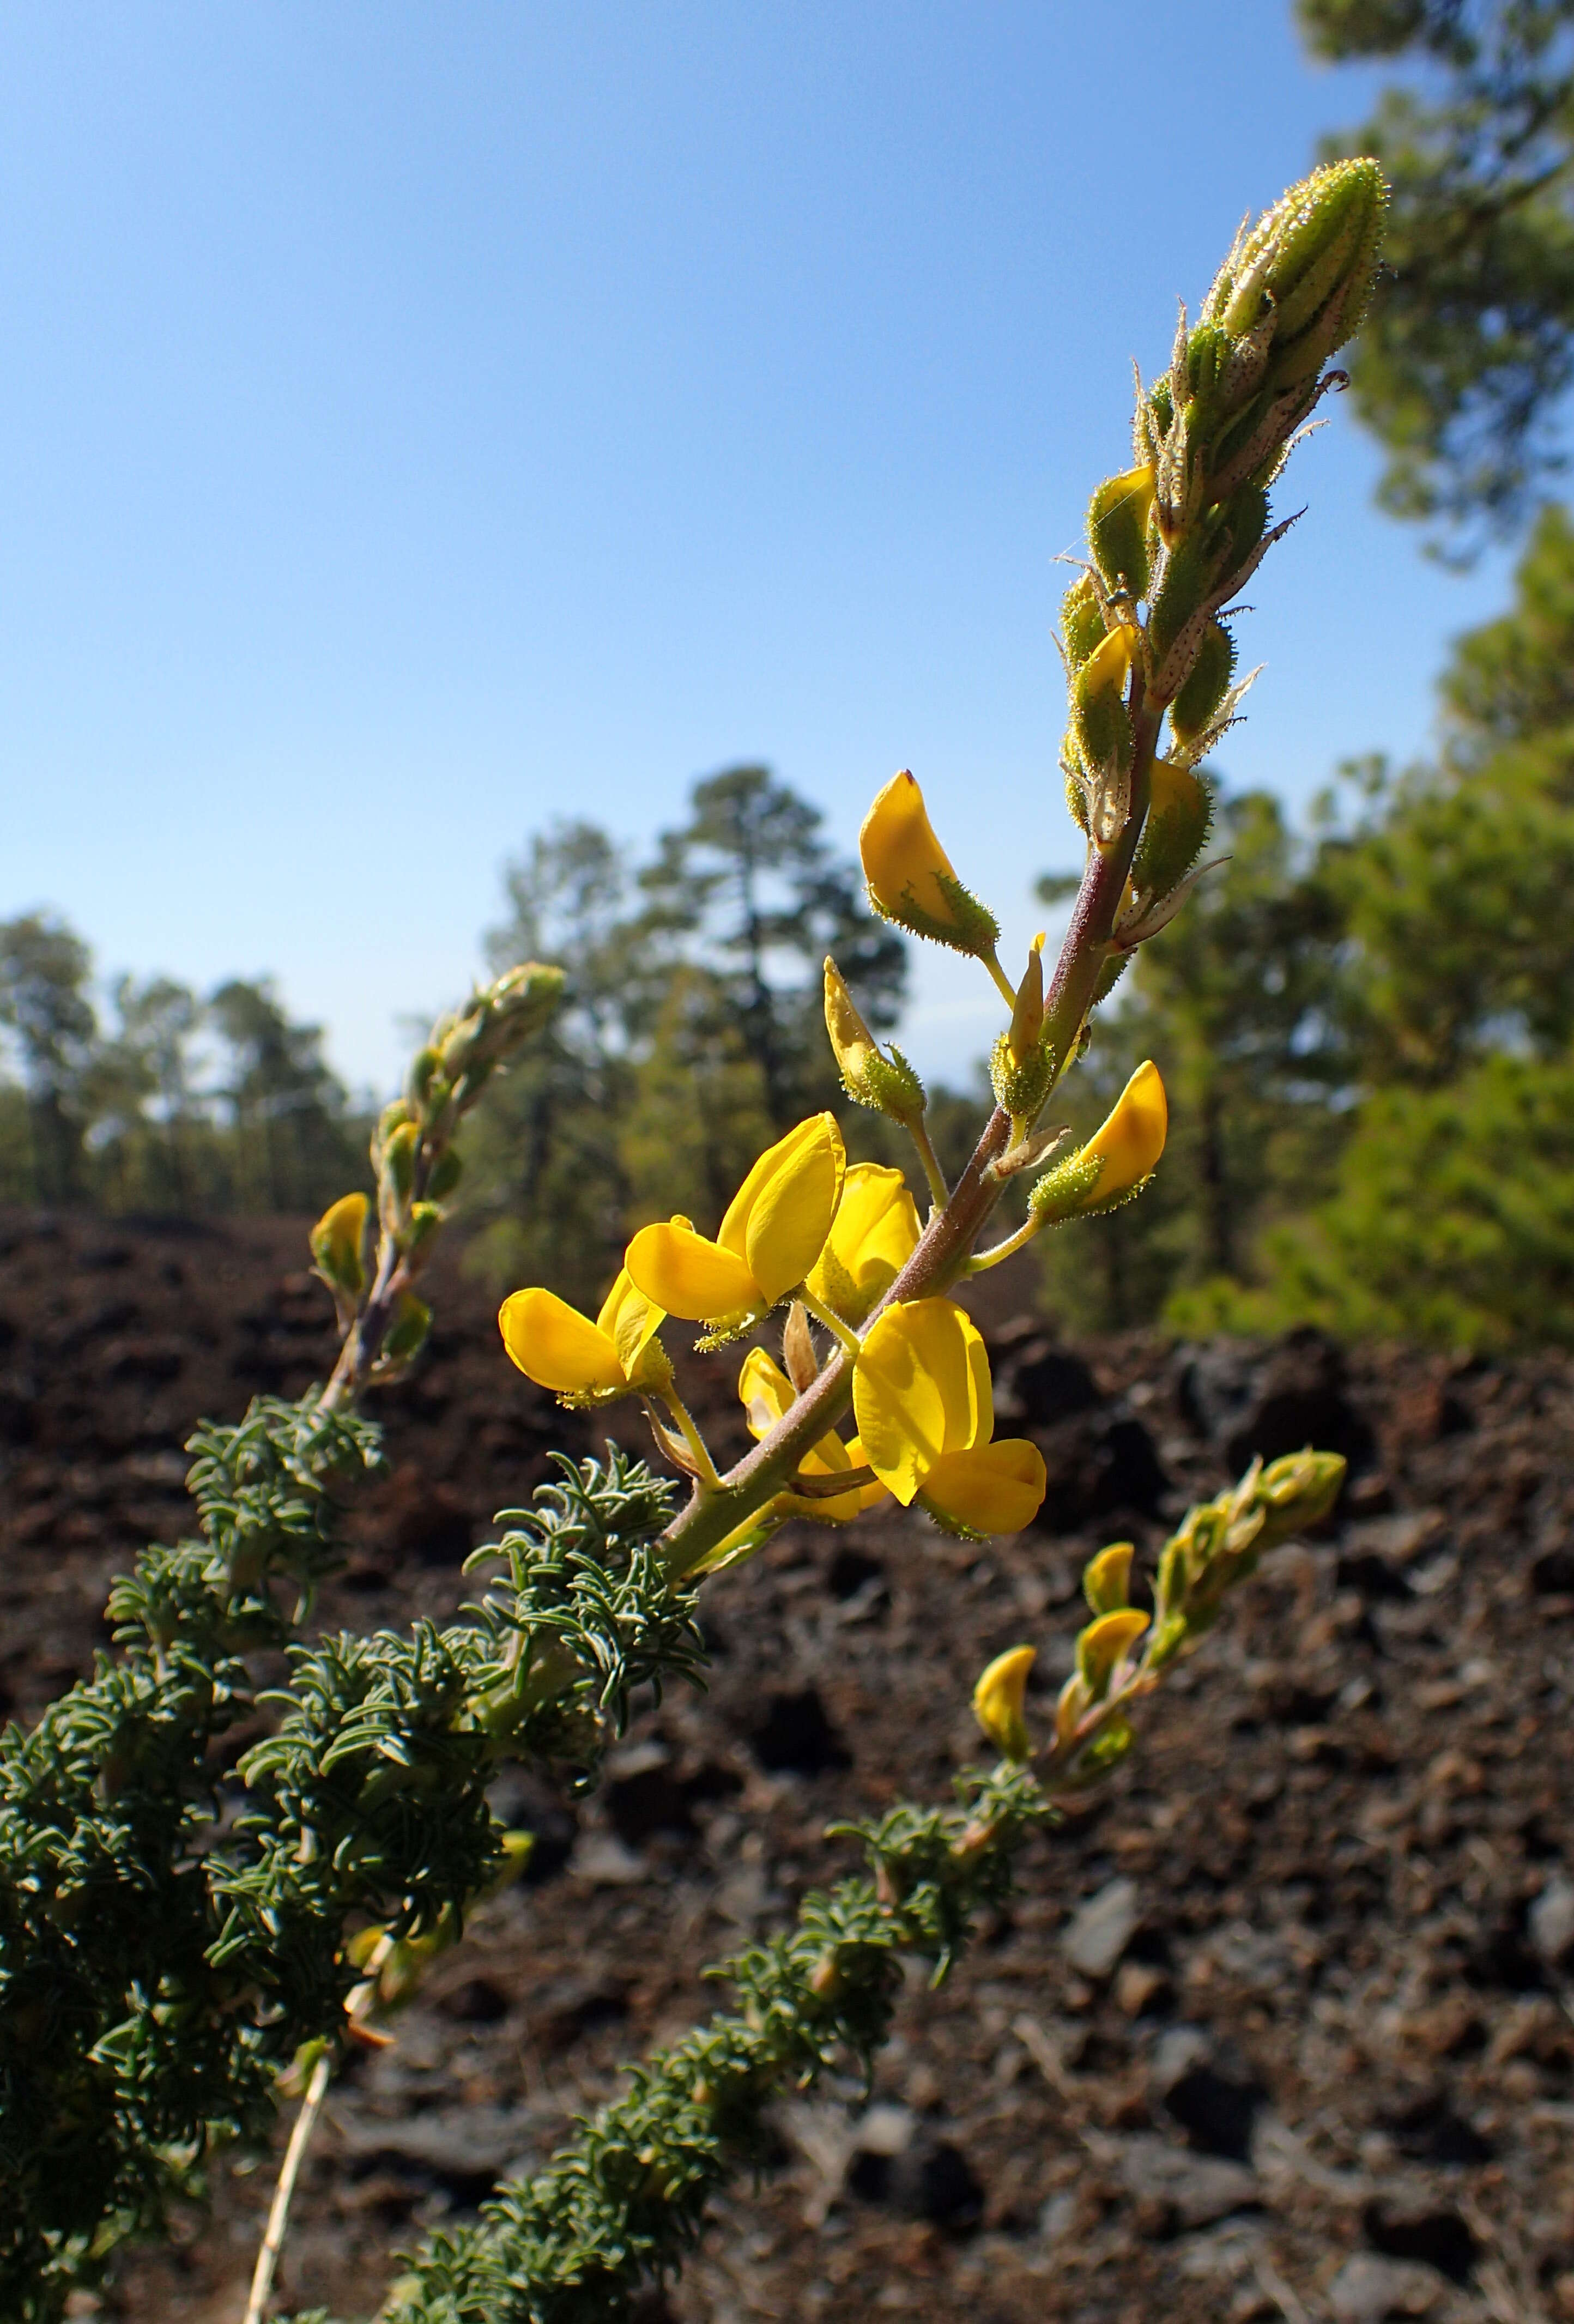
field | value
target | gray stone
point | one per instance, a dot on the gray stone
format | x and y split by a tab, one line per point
1199	2187
1100	1931
1367	2289
1551	1919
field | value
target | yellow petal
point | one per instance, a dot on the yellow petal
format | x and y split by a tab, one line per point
870	1497
766	1391
987	1487
686	1274
901	855
998	1701
1108	1642
916	1390
556	1346
1132	1138
629	1321
336	1241
1107	668
778	1220
872	1237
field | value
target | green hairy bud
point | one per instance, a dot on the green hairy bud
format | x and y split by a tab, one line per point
1200	699
1082	617
1117	523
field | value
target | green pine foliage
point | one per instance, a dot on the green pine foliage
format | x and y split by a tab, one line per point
1469	356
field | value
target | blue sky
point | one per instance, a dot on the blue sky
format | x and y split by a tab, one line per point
419	424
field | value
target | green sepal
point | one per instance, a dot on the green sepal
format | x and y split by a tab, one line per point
1062	1191
1118	529
425	1219
399	1155
1174	835
444	1175
973	930
1109	976
407	1335
1105	740
1191	572
1082	618
887	1086
1198	701
1021	1084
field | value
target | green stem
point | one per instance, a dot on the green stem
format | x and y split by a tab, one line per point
940	1193
1003	984
1012	1244
846	1338
688	1428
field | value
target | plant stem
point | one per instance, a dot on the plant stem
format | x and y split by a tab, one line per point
940	1193
316	2090
1007	1249
688	1428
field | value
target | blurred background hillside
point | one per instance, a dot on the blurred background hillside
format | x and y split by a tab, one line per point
1366	1017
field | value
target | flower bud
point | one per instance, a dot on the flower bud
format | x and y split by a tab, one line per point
1105	741
1179	812
1105	1644
1199	700
1117	526
398	1154
337	1244
407	1335
1117	1161
1107	1578
999	1699
886	1085
1082	617
423	1068
910	876
444	1175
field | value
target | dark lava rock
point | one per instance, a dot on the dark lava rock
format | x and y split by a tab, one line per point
1041	1384
1440	2238
931	2179
1095	1466
792	1736
477	2002
850	1571
1216	2111
431	1525
1259	1403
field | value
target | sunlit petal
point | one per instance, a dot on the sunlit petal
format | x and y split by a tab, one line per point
793	1207
987	1487
1131	1140
556	1346
688	1274
873	1235
629	1321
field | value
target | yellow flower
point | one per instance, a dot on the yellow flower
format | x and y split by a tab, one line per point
1130	1141
872	1237
766	1395
1115	1159
910	876
337	1242
558	1347
775	1230
987	1489
926	1415
998	1701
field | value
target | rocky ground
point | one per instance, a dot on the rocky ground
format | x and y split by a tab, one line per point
1282	2028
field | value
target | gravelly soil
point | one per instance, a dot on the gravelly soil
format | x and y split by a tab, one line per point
1283	2027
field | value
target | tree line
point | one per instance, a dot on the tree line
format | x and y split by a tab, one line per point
168	1102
